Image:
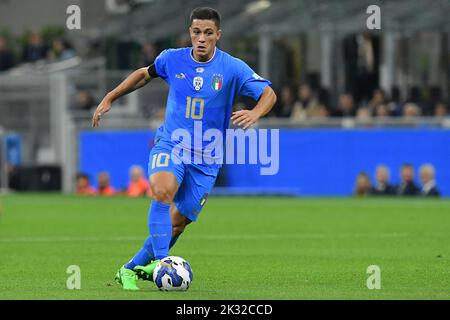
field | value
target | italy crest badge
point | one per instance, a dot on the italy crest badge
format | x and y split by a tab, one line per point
217	82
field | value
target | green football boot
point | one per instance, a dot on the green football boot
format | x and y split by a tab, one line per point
146	272
127	278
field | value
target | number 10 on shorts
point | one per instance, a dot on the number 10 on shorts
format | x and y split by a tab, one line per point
160	160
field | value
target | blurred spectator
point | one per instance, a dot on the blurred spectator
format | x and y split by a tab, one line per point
346	107
382	185
361	62
427	174
83	186
396	105
382	110
308	107
440	110
85	101
362	186
149	53
306	104
411	110
62	50
377	99
286	105
104	186
324	97
414	94
363	115
138	185
435	96
35	49
6	55
407	187
320	112
415	97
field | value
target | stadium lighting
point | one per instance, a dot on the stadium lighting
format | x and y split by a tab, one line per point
257	6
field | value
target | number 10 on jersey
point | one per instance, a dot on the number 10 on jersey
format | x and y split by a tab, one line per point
194	108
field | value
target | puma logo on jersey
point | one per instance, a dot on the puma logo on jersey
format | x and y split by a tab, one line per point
180	76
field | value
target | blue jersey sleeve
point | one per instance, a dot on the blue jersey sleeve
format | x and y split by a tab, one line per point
161	64
250	84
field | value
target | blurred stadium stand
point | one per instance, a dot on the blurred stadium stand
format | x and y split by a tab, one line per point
289	42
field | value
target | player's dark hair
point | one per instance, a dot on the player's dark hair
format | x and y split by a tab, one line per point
206	13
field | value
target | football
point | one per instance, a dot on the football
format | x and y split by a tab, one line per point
173	274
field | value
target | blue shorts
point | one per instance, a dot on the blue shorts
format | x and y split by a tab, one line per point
194	184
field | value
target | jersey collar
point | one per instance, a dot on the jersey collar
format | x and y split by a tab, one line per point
211	59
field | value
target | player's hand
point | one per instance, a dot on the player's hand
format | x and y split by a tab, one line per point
244	118
102	108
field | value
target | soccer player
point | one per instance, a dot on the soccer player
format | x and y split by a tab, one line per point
204	82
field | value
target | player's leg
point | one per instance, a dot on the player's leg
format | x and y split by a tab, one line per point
191	196
165	176
165	183
179	223
188	202
190	199
164	186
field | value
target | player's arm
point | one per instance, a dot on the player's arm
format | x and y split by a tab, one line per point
245	118
134	81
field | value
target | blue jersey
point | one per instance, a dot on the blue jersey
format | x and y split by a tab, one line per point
203	93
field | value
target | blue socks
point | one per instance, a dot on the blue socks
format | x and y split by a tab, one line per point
160	227
143	257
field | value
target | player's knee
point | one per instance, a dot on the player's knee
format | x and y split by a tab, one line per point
162	194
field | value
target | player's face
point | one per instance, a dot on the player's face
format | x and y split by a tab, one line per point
204	36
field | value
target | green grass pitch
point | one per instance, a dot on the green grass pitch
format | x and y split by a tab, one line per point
241	247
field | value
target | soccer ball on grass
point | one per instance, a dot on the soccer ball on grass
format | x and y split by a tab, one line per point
173	274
